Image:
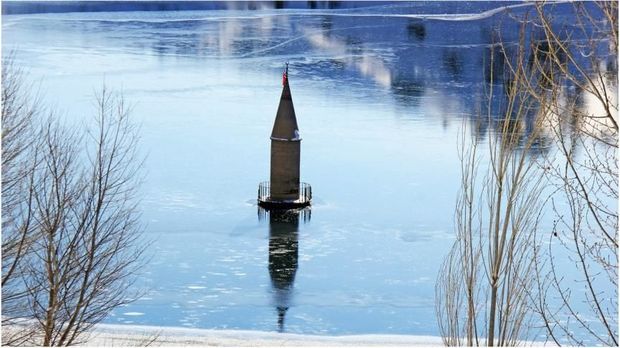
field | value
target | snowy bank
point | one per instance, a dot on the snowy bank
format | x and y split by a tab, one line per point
132	335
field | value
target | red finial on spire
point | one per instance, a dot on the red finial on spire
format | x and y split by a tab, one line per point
285	75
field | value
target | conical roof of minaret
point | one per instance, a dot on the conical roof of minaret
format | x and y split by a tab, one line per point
285	125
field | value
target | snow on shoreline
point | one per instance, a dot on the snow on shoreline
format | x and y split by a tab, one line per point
132	335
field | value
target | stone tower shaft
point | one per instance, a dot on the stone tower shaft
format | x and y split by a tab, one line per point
285	149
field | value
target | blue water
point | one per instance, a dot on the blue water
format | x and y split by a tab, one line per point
380	101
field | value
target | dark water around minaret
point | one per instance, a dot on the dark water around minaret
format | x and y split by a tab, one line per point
380	102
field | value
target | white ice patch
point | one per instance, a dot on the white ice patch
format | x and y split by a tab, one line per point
216	274
196	287
439	16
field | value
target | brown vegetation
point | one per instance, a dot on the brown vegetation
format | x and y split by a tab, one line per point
502	270
71	232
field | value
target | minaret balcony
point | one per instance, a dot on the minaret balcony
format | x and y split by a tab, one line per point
265	200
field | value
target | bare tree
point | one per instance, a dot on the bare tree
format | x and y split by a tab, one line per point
566	75
482	289
89	246
75	242
579	64
20	112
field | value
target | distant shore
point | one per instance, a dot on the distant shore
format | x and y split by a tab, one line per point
135	335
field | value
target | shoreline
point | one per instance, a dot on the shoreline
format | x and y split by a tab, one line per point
136	335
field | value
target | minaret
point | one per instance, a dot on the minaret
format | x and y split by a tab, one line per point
285	148
284	188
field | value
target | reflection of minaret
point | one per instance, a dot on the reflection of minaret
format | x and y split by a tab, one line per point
283	256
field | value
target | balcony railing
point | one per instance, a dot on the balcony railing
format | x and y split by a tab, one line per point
304	198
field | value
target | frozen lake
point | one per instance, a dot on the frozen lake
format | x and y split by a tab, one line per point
380	100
